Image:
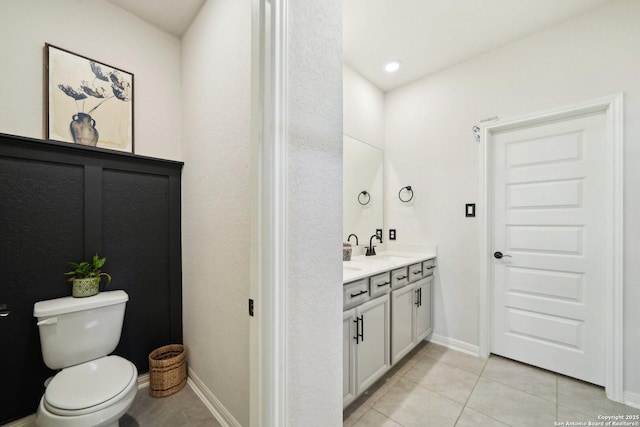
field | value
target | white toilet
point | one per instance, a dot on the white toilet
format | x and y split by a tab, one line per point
77	334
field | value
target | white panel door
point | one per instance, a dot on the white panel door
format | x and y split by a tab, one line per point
549	222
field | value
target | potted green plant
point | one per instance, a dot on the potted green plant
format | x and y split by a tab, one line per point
86	276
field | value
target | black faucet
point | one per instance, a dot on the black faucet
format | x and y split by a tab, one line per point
371	250
349	238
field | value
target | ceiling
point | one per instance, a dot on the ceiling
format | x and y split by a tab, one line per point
173	16
425	36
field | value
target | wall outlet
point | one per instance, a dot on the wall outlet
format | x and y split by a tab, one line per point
379	234
392	234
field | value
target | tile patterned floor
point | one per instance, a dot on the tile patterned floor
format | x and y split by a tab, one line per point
436	386
183	409
433	386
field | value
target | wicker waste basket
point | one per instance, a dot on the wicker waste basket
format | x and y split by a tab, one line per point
167	370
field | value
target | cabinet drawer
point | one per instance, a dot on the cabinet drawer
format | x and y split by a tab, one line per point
399	277
427	267
355	293
415	272
380	284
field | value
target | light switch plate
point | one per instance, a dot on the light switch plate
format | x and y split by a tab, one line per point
470	210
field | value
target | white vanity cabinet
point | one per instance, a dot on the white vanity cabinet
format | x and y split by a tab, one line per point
386	313
411	320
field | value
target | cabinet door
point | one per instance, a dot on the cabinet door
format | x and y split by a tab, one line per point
423	325
402	329
348	357
373	350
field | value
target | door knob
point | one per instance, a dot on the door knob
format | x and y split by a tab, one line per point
499	255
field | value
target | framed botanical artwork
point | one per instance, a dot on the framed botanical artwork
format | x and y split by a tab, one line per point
88	102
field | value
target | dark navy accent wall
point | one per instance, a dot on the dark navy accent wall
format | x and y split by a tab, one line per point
61	202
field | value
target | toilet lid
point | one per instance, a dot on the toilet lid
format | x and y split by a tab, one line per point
90	383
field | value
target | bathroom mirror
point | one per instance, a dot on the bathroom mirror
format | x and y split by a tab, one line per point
362	172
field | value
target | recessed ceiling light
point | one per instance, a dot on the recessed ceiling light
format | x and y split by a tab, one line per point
392	66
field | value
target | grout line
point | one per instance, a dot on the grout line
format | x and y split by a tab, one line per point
557	400
475	410
464	405
470	393
456	366
555	375
185	417
519	390
387	417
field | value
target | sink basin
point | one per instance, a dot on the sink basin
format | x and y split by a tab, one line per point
387	258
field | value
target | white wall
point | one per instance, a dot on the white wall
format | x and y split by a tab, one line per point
314	213
363	108
216	84
585	58
102	31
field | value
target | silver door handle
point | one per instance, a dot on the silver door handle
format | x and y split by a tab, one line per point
4	310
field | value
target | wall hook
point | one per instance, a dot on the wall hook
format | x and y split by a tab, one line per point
364	198
408	190
476	130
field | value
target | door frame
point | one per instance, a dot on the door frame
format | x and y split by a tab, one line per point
268	288
612	107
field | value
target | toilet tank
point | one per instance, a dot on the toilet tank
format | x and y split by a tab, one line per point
76	330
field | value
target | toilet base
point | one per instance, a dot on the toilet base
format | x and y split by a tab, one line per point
107	417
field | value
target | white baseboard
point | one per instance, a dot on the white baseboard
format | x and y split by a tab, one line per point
455	344
632	399
212	403
143	381
222	415
29	421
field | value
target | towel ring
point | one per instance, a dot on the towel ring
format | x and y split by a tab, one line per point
364	196
409	190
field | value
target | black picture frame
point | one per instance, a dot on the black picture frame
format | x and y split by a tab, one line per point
88	102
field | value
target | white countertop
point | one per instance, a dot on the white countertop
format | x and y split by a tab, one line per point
364	266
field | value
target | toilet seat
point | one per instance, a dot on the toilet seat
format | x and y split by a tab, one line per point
90	386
